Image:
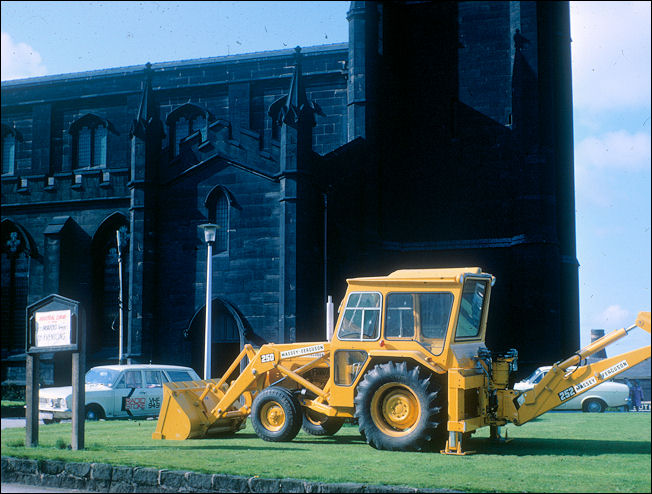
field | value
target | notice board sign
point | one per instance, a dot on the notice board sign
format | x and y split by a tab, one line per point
52	328
53	325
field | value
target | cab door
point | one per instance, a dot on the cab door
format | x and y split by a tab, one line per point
130	399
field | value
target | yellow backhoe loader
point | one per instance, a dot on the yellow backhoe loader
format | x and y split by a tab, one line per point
407	360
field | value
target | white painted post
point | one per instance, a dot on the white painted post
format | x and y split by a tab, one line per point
209	291
120	302
330	318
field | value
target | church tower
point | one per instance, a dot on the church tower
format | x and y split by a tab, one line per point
474	153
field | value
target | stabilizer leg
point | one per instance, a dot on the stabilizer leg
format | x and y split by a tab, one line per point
496	434
454	445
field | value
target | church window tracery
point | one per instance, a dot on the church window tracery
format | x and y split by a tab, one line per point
90	134
10	137
185	121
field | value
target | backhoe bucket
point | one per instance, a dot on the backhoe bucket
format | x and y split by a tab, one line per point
185	415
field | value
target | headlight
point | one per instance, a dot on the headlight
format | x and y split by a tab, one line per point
58	403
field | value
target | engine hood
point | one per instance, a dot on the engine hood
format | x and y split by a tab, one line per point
66	391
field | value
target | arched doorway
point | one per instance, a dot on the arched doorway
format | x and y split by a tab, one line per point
227	337
103	334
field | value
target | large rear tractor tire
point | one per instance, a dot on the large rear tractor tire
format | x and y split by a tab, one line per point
399	411
276	415
319	424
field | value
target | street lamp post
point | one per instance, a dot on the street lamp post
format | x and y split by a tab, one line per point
121	238
210	232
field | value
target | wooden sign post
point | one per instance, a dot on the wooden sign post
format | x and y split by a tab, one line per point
55	324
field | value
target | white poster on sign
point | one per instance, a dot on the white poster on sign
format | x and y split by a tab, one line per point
52	328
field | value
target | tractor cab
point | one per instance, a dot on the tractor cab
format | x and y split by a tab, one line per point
422	312
429	306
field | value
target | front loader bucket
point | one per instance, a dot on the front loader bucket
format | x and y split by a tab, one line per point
184	415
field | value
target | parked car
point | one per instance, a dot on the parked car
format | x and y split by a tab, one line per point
596	399
115	391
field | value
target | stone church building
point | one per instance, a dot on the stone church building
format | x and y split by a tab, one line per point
439	135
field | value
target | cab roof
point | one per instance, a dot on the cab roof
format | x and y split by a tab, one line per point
445	274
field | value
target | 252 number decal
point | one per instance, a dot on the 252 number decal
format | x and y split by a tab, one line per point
567	393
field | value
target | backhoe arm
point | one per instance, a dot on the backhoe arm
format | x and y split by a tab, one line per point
561	384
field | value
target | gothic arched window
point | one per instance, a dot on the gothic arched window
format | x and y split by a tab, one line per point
89	135
16	252
185	121
9	138
218	204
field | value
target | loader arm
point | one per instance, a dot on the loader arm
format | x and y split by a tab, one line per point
562	383
197	409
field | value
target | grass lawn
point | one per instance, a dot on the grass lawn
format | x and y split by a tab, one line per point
12	403
558	452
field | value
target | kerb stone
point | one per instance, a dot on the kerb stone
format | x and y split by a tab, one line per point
79	470
292	485
122	474
51	467
172	479
200	481
146	476
348	487
264	485
101	471
230	483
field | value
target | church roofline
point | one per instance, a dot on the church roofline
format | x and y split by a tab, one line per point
133	69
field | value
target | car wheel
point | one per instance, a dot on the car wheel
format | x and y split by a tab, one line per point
51	421
594	406
94	412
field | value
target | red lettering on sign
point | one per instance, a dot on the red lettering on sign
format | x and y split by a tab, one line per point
134	403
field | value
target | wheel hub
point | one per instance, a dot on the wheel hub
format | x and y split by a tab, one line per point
395	409
272	416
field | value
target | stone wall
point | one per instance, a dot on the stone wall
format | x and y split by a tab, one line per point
102	477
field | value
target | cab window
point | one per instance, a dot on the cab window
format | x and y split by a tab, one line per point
420	316
361	318
471	309
399	322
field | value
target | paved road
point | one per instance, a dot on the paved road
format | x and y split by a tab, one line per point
20	422
33	488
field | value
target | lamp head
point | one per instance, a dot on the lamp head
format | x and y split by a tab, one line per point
210	232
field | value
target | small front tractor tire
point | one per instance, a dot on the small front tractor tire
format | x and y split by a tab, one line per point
397	410
276	415
318	424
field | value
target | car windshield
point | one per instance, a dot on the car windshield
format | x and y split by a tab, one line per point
101	376
536	376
